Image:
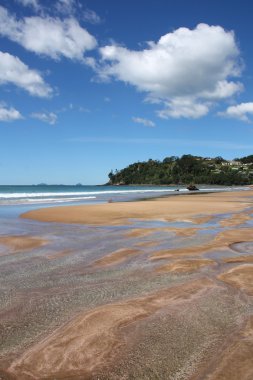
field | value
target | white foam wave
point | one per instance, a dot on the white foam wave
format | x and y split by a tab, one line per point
84	193
45	200
53	197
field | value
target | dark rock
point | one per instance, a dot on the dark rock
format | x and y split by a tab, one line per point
192	188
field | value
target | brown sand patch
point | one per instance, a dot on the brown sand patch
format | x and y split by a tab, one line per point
185	265
117	257
140	232
147	243
235	362
56	255
191	231
201	219
235	220
174	252
20	243
222	240
171	208
93	339
230	236
241	277
239	259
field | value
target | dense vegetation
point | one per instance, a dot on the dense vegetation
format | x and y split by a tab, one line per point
186	169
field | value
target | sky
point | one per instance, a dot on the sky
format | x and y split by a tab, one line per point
91	86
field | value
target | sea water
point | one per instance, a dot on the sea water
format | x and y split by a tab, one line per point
57	194
16	200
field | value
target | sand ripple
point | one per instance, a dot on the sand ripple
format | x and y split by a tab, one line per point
91	339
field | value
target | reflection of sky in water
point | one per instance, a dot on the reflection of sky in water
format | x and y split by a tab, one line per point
248	223
57	280
85	244
244	248
219	254
213	222
158	223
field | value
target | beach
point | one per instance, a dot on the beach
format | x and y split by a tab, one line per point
167	208
152	289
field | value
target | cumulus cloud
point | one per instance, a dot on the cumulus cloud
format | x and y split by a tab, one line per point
9	114
14	71
46	117
146	122
239	111
183	107
47	36
186	70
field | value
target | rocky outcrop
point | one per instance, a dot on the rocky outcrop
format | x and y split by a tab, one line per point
192	188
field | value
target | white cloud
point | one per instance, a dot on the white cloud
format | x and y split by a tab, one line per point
65	6
239	111
146	122
76	8
46	117
30	3
47	36
9	114
184	107
14	71
186	70
91	16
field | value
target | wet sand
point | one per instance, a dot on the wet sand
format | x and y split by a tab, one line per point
141	232
129	296
241	277
93	338
171	209
185	265
222	240
239	259
236	220
235	362
20	243
117	257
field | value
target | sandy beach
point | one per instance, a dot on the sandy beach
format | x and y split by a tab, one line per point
155	289
171	208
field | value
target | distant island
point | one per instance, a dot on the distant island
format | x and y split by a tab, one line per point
184	170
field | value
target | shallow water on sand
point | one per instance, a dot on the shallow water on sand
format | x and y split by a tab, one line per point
81	268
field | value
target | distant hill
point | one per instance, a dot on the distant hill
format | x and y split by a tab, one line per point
184	170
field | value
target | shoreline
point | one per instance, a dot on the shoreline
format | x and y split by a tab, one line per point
165	208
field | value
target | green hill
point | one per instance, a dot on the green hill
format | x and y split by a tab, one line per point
184	170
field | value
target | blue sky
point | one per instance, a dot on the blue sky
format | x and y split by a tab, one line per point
90	86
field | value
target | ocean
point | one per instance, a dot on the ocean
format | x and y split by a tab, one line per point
64	194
